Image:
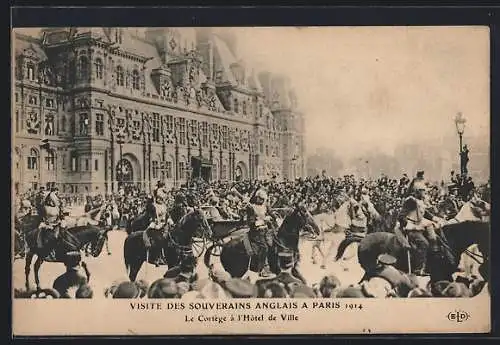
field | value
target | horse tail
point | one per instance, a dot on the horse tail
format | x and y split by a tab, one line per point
346	242
126	245
207	255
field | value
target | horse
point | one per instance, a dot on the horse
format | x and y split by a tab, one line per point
369	220
176	243
141	222
454	240
72	239
238	255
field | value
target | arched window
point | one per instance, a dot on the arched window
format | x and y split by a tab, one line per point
50	160
33	160
83	67
135	80
31	71
120	78
236	105
98	68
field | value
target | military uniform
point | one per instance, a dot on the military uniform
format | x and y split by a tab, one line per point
52	216
418	223
259	233
159	220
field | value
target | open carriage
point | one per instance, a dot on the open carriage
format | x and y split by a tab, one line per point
222	231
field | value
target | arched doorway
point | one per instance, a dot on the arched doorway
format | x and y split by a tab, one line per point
241	171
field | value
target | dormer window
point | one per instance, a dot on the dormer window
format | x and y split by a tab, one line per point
98	68
31	71
120	78
83	67
135	80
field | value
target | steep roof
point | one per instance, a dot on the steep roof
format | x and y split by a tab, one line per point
23	43
226	58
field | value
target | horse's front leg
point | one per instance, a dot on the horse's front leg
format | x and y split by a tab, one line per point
38	264
27	268
297	274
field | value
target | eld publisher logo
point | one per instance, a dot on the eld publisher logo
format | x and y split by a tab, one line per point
458	316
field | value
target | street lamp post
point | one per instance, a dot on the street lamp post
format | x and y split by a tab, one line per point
460	125
120	141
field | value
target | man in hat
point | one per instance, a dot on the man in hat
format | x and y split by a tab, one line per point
399	282
73	277
260	234
51	224
418	223
153	236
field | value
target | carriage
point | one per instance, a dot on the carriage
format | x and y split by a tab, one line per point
222	231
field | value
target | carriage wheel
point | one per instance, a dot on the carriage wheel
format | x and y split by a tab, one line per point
198	247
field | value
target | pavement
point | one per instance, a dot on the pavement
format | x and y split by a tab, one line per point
107	269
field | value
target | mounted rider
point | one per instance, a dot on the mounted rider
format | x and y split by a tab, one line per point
52	216
153	235
419	224
260	233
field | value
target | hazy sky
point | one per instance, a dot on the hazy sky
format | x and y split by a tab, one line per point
365	86
361	87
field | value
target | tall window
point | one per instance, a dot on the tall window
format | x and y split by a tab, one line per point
260	110
99	124
244	107
32	100
49	124
50	160
204	134
17	97
135	80
49	103
98	68
31	71
96	165
236	105
182	170
225	137
84	124
267	150
87	165
155	168
63	123
120	77
193	127
170	123
261	146
83	67
223	172
74	162
182	131
33	160
18	120
156	127
168	169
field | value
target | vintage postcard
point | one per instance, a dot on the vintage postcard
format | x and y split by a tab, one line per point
251	180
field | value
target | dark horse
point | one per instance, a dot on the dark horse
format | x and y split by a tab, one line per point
22	226
73	239
176	243
237	259
454	240
141	222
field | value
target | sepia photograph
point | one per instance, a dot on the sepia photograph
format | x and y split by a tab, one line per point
250	180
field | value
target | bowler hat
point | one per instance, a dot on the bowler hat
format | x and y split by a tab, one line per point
163	288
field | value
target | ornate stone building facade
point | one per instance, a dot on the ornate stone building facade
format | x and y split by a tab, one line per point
116	105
